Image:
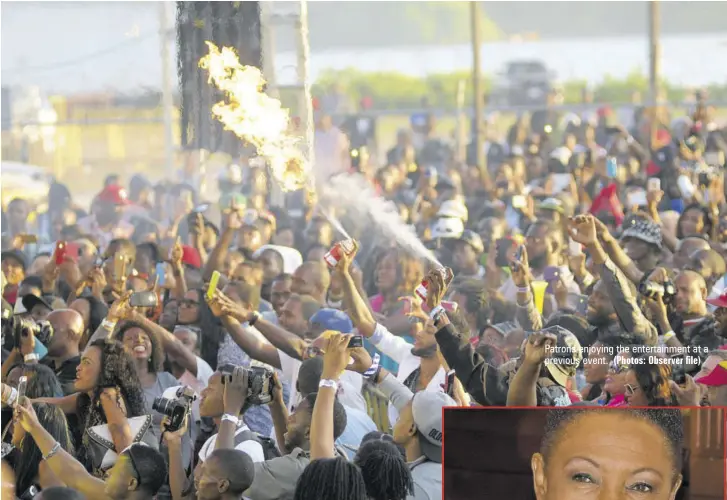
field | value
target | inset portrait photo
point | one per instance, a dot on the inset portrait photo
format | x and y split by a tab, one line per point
584	453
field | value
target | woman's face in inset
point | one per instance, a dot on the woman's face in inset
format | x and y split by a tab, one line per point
607	455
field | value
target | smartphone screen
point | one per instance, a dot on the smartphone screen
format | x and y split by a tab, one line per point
213	285
611	167
119	267
60	252
143	299
22	384
654	184
161	273
356	341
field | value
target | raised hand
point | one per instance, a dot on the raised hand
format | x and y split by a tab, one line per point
520	268
538	346
335	360
120	309
346	260
583	230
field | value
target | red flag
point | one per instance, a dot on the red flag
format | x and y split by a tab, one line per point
607	201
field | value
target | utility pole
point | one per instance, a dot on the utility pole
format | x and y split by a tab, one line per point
306	101
167	90
478	134
268	45
654	60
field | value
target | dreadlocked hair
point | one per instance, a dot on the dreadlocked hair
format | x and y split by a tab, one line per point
384	471
668	421
331	479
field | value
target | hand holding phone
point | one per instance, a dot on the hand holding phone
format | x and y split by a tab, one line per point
213	285
22	385
59	254
143	299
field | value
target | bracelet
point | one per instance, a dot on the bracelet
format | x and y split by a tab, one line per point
230	418
107	324
30	357
332	384
374	367
668	335
52	451
253	318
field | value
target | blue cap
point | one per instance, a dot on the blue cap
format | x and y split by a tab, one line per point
332	319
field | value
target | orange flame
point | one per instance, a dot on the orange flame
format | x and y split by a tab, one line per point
255	117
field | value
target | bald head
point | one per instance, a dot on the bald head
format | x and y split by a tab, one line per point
68	328
311	278
709	264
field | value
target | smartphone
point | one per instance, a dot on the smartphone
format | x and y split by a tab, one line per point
449	306
202	208
636	198
551	274
679	369
653	184
22	385
28	238
611	167
580	304
161	273
356	341
119	267
519	201
99	262
143	299
213	285
449	383
574	248
59	254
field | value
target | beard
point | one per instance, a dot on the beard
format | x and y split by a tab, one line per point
425	352
537	261
599	318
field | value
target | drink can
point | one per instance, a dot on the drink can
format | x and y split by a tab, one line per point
339	250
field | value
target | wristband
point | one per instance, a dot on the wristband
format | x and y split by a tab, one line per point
374	367
52	451
328	383
107	324
524	289
30	357
253	318
668	335
230	418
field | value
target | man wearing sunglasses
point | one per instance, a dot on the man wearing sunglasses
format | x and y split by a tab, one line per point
138	474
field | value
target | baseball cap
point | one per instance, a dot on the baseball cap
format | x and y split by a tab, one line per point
447	227
113	194
567	357
16	255
453	208
30	301
332	319
426	409
644	230
720	301
716	378
553	204
191	257
473	239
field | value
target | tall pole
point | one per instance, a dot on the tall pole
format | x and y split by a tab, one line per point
305	104
478	135
654	60
167	92
268	46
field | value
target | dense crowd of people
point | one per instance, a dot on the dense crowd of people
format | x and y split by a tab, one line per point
170	344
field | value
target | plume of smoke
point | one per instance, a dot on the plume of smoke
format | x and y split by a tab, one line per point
354	194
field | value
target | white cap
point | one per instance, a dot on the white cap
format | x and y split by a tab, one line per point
448	227
453	208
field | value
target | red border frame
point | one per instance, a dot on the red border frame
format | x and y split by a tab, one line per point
506	408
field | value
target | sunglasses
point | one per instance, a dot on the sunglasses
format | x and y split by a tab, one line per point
618	366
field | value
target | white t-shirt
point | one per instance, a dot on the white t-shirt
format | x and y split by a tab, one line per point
252	448
198	383
349	393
